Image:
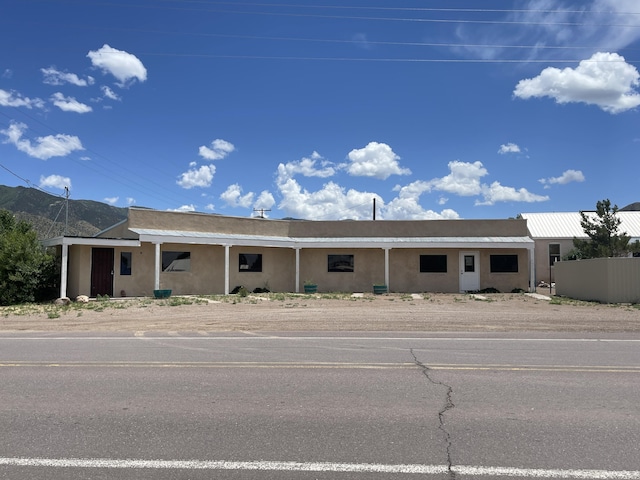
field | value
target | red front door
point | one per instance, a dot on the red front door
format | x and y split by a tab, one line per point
101	271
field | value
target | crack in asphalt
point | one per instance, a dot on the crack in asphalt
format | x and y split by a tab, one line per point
448	405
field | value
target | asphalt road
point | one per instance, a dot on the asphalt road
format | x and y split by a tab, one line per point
319	407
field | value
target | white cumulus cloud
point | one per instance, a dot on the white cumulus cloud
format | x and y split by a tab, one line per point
69	104
14	99
124	66
567	176
53	76
55	181
264	201
183	208
43	148
464	179
197	177
307	167
112	200
498	193
509	148
406	206
605	80
108	93
376	160
233	197
219	149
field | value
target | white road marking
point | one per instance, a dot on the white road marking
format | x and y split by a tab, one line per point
325	365
318	467
255	336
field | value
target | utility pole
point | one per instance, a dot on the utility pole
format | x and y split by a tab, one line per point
66	220
374	208
261	210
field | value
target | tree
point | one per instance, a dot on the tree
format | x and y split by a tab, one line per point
602	230
24	265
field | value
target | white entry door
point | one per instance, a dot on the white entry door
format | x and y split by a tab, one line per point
469	271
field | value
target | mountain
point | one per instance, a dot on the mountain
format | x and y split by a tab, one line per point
632	207
48	213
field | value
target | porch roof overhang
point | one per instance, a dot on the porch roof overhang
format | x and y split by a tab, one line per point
211	238
92	241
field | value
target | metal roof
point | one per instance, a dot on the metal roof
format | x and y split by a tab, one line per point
212	238
567	224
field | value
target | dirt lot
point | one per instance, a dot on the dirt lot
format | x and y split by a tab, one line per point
279	312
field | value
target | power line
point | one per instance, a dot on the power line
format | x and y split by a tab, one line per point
340	41
102	170
391	60
403	9
28	182
387	19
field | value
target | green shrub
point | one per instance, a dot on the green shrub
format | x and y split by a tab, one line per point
26	269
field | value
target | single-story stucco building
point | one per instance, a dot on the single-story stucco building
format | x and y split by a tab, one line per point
195	253
553	234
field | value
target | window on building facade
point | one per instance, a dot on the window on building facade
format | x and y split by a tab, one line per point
176	261
433	263
340	263
125	263
554	253
504	263
250	262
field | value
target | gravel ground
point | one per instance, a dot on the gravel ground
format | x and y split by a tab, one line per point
282	313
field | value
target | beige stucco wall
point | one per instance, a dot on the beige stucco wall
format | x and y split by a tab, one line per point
79	273
121	230
368	269
410	228
607	280
200	222
505	282
544	272
140	282
278	270
206	275
405	275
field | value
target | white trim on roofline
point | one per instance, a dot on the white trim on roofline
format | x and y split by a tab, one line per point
93	241
209	238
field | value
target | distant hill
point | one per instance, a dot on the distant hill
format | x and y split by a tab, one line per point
633	207
47	213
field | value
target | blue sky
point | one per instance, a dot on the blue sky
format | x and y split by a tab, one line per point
306	109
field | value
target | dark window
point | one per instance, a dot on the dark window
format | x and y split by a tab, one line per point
469	263
340	263
125	263
554	253
176	261
433	263
250	262
504	263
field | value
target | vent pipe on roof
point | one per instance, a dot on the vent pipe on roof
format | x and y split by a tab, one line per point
374	208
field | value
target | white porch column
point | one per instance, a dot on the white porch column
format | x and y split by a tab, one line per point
156	281
532	270
64	267
386	268
297	289
226	269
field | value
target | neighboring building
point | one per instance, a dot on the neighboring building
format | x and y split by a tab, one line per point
553	234
193	253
